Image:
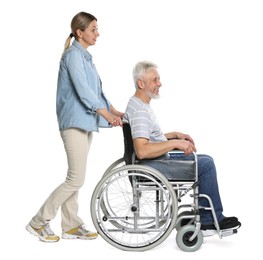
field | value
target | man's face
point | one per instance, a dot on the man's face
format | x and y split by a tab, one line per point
151	83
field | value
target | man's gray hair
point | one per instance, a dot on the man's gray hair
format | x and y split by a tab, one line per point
140	69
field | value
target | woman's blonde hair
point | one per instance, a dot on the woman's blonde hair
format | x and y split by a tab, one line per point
80	21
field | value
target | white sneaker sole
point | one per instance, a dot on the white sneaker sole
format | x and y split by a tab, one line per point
69	236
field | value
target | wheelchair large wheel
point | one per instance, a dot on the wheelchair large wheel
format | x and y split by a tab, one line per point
134	207
118	163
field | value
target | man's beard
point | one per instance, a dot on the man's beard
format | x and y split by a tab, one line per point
153	96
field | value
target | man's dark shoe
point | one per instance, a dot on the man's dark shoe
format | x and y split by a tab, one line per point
226	223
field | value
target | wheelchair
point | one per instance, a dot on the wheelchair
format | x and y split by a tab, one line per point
134	207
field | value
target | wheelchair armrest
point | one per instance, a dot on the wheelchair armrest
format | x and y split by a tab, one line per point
176	151
180	152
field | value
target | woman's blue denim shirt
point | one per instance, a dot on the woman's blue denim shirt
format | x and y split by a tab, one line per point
79	91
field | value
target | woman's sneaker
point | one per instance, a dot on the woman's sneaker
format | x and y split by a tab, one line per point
44	233
80	232
229	223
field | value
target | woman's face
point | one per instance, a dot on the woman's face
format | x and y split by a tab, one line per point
89	36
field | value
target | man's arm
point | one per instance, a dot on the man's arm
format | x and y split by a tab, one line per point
178	135
146	150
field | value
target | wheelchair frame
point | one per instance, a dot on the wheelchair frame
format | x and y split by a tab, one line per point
135	207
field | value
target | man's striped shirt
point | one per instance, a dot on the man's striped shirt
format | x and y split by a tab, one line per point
143	121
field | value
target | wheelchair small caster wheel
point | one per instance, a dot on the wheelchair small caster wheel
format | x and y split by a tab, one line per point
184	234
183	221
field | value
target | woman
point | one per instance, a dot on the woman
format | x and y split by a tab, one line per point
82	108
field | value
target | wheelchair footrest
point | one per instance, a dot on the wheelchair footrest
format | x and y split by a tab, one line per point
228	232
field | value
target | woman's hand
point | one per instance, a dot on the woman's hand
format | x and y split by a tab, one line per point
115	120
112	119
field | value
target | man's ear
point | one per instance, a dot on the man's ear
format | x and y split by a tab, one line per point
140	84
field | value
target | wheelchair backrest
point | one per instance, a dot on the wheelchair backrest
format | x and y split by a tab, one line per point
129	155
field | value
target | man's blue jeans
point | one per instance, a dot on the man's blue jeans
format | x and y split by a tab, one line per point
207	177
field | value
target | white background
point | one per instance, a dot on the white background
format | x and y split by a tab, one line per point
210	59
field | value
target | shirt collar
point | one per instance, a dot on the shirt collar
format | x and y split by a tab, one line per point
77	45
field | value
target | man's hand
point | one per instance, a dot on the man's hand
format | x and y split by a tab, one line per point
185	145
